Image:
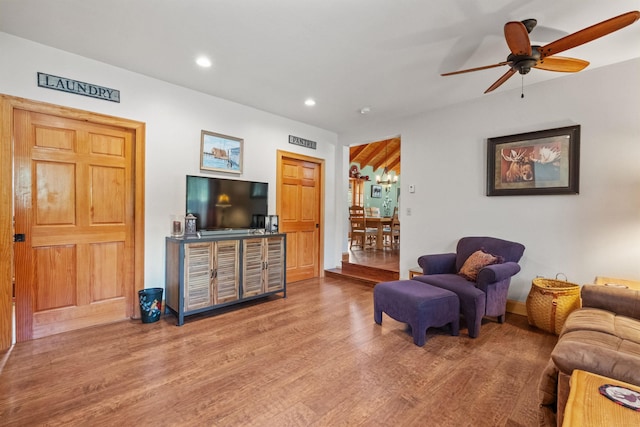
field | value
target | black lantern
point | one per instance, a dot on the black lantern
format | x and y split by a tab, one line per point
190	226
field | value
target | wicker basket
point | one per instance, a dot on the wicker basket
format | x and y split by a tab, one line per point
550	301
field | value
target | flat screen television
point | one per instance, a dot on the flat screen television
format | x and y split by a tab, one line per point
226	204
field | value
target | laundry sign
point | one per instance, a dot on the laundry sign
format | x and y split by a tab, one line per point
302	142
79	88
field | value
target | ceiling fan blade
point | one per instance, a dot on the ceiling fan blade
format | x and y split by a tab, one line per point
486	67
501	80
517	38
590	33
562	64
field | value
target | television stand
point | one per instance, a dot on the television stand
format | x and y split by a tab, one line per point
220	270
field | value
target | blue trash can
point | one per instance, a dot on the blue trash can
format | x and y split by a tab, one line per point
150	304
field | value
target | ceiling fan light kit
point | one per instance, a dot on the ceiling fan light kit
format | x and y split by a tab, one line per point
524	56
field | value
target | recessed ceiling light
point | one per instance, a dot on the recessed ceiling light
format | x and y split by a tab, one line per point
203	61
365	110
309	102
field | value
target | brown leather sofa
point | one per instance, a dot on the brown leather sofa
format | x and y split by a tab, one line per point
602	337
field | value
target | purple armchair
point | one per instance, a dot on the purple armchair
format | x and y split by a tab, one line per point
487	296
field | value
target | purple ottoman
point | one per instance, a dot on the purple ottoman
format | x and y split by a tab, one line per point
420	305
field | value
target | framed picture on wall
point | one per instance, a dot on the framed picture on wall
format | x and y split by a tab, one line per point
220	153
542	162
376	191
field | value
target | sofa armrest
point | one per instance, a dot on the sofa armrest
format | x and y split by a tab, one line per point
496	273
625	302
438	263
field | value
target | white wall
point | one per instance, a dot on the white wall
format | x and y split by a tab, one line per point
443	153
594	233
174	117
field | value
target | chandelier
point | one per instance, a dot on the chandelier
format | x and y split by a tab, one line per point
388	177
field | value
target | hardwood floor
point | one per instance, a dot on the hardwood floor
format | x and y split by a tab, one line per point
315	358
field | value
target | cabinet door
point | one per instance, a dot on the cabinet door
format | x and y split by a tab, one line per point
252	267
274	273
226	272
197	271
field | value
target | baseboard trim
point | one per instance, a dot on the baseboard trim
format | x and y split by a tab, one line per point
516	307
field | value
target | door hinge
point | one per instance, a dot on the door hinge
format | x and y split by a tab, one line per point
19	237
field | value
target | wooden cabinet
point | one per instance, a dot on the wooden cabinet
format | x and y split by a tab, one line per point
213	272
356	191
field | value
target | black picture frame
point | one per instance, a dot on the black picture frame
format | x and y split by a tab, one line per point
534	163
376	191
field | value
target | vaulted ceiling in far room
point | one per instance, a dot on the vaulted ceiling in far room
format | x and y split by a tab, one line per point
378	155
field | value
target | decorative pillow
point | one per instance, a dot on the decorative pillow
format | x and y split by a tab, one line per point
476	262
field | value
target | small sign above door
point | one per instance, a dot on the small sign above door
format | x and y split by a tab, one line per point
302	142
79	88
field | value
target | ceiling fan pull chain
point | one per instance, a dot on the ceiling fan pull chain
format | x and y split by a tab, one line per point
522	87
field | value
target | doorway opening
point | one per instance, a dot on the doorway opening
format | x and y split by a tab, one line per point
373	249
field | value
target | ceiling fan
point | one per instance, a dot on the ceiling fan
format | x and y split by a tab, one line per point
524	56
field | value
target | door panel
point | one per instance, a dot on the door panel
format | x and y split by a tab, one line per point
198	258
74	201
252	267
306	243
275	268
55	199
55	277
227	280
107	267
108	195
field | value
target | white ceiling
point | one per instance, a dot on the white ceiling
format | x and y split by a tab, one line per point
347	54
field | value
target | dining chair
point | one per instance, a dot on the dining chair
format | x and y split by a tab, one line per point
359	230
372	212
391	232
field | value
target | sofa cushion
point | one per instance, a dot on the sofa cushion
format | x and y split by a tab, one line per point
606	322
476	262
601	342
592	319
600	353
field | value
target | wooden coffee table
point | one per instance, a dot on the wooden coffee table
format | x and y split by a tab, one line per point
612	281
587	407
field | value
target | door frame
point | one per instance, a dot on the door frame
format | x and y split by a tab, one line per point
7	106
280	154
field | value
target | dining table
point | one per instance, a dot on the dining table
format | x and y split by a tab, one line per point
378	223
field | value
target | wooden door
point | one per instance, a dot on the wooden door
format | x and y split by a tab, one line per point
299	201
74	202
